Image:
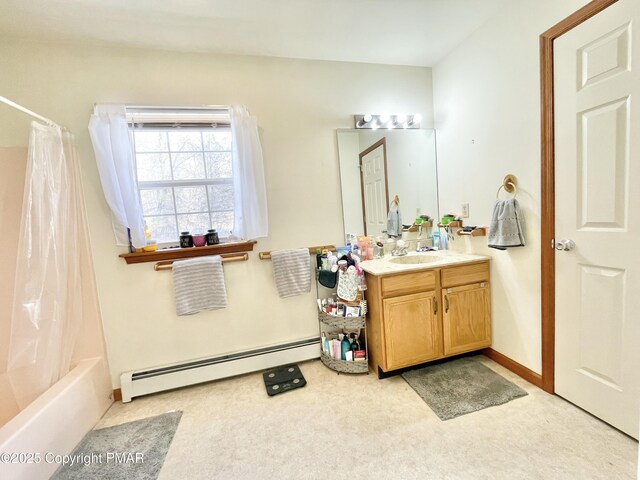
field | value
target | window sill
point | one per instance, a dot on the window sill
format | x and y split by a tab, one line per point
178	253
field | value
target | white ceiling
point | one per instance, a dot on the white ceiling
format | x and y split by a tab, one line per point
402	32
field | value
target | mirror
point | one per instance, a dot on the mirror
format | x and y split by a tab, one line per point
385	163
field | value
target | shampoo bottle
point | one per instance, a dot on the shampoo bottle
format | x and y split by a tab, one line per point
346	346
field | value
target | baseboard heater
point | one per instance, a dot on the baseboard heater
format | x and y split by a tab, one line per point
142	382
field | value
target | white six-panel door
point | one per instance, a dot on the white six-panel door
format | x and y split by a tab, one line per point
374	191
597	177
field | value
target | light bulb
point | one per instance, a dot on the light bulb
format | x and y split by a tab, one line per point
401	118
384	118
367	118
417	118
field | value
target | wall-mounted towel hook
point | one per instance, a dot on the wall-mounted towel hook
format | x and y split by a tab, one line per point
510	185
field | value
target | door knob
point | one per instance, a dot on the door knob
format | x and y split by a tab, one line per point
565	245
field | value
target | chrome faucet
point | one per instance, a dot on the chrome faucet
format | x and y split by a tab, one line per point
400	249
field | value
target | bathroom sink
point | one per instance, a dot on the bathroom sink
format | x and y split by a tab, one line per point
415	259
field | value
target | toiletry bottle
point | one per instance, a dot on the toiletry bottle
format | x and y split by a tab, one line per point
436	240
444	245
318	259
362	283
345	345
324	343
355	345
337	347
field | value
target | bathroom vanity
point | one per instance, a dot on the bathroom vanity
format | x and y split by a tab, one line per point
426	306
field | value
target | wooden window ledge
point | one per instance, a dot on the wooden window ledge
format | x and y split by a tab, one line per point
178	253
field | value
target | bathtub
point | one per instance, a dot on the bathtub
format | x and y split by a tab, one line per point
55	422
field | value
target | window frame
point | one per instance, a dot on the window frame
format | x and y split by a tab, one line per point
173	183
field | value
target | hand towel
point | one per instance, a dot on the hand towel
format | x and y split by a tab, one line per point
394	221
507	227
291	271
198	284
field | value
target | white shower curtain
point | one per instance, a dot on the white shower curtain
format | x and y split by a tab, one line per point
47	307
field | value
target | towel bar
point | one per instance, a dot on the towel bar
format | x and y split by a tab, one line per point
229	257
267	255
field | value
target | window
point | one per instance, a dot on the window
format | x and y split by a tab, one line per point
184	172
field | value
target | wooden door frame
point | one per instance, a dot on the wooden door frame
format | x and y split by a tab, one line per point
383	142
548	182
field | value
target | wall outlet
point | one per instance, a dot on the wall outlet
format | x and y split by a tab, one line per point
464	210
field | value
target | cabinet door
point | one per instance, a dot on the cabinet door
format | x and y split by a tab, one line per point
466	318
412	330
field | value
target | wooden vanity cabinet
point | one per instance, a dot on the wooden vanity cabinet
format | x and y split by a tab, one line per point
466	318
412	329
466	308
425	315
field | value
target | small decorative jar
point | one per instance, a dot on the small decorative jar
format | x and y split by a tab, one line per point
186	240
199	240
212	237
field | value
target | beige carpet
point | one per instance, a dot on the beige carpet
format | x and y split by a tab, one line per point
358	427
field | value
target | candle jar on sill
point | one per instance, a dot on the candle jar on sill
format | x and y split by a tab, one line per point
186	240
212	237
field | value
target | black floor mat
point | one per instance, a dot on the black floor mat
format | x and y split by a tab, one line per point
283	379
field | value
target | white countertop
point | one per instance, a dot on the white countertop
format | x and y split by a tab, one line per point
441	258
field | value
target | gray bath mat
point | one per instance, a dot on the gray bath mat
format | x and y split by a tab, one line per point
147	441
461	386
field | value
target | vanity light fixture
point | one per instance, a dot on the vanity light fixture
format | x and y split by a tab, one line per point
398	121
416	119
363	120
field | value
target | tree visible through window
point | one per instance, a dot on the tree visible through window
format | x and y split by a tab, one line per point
185	179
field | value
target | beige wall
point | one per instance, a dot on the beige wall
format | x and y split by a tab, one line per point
299	104
488	122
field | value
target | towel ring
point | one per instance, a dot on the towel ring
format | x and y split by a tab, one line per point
510	185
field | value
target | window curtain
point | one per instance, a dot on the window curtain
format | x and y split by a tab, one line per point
250	192
113	148
47	310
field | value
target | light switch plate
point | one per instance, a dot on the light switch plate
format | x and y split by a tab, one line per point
464	210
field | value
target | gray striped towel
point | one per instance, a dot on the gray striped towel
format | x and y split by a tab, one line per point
198	284
507	228
291	271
